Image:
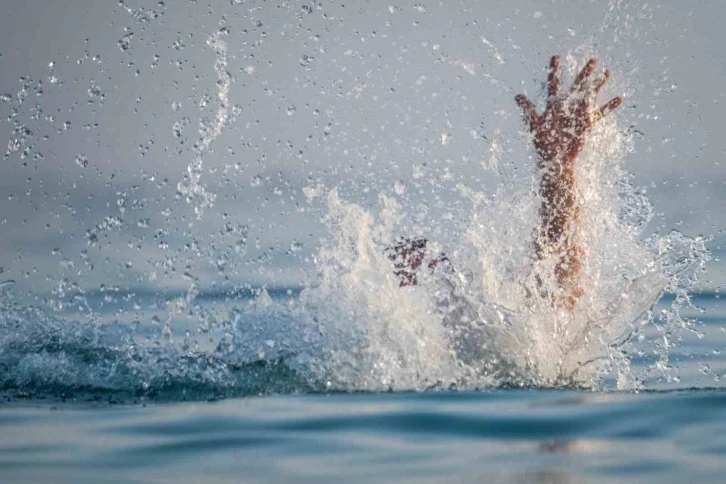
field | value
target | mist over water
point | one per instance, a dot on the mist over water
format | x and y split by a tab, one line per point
483	324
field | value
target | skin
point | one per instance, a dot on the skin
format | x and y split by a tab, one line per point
559	135
408	256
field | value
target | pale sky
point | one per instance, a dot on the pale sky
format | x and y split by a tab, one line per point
353	95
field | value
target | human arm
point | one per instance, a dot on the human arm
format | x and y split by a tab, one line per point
559	135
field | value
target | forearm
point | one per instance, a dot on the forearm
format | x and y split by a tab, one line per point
557	233
560	208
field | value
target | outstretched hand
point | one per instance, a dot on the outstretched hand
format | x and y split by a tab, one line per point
561	131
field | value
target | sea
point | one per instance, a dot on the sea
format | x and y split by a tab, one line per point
81	424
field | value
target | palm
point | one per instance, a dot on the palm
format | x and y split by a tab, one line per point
561	131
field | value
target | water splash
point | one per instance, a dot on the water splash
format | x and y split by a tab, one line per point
484	324
487	323
195	192
191	187
44	355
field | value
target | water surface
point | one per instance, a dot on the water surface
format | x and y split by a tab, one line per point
497	436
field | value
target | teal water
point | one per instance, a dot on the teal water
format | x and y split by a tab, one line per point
498	436
82	406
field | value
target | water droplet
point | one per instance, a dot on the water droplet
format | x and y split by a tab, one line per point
240	247
94	92
14	144
82	161
296	246
176	105
178	127
256	181
125	42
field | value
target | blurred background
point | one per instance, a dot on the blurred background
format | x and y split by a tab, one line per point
104	102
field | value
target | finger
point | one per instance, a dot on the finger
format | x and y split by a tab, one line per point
608	108
611	105
605	77
553	77
530	114
584	73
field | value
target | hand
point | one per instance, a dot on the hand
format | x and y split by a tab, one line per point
561	131
408	257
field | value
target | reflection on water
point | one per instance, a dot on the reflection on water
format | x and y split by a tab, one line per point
570	446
